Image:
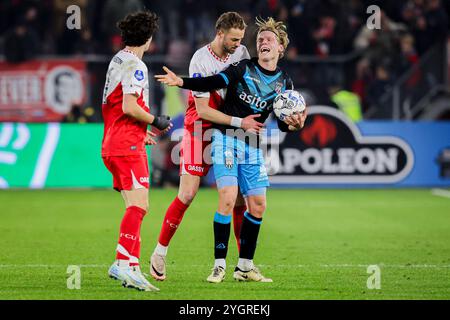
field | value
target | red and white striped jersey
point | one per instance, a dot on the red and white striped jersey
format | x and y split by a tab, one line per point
123	135
205	63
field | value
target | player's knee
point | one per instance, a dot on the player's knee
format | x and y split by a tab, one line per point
187	196
258	211
228	204
257	208
227	198
137	198
227	201
143	205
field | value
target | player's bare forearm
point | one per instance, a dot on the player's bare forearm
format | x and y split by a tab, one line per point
131	108
207	113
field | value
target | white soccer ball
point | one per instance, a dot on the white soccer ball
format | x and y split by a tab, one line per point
287	103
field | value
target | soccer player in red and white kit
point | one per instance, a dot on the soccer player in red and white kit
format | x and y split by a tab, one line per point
224	50
126	116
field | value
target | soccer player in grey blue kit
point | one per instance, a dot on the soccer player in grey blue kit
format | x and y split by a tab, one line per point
252	85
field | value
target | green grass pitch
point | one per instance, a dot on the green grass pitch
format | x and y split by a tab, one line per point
315	244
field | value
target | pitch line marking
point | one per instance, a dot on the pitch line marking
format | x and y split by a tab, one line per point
421	266
424	266
51	265
441	193
45	156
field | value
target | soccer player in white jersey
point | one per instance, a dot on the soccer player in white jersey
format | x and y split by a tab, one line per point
224	50
126	115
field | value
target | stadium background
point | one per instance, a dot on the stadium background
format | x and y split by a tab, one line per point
51	82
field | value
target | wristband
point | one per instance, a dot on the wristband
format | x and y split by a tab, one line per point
236	122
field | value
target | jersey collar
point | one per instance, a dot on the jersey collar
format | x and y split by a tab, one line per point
224	60
129	51
265	71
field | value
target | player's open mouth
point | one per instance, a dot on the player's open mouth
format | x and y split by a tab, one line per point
264	50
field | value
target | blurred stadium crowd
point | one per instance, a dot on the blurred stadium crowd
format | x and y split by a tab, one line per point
321	28
318	29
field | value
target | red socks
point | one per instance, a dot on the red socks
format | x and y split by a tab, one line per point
238	217
173	218
136	253
129	237
130	241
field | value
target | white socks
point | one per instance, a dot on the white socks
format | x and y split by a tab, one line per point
161	250
123	263
220	263
245	264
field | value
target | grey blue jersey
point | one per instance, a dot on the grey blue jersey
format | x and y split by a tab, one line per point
251	89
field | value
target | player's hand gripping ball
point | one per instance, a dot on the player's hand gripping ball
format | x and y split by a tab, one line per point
287	103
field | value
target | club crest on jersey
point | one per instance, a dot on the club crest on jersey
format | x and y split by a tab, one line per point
278	87
197	75
228	159
139	75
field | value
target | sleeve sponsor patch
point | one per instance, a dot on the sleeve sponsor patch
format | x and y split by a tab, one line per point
117	60
139	75
197	75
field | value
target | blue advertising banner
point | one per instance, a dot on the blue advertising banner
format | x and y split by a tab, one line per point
332	151
430	143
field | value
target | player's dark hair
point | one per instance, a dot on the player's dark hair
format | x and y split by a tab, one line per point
136	28
230	20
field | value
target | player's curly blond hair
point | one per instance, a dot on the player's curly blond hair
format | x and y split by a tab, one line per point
277	27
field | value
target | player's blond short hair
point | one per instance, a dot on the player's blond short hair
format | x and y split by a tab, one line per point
277	27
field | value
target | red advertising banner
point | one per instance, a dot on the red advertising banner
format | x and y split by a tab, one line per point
41	91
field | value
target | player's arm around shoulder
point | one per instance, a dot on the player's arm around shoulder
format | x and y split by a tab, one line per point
232	74
205	112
